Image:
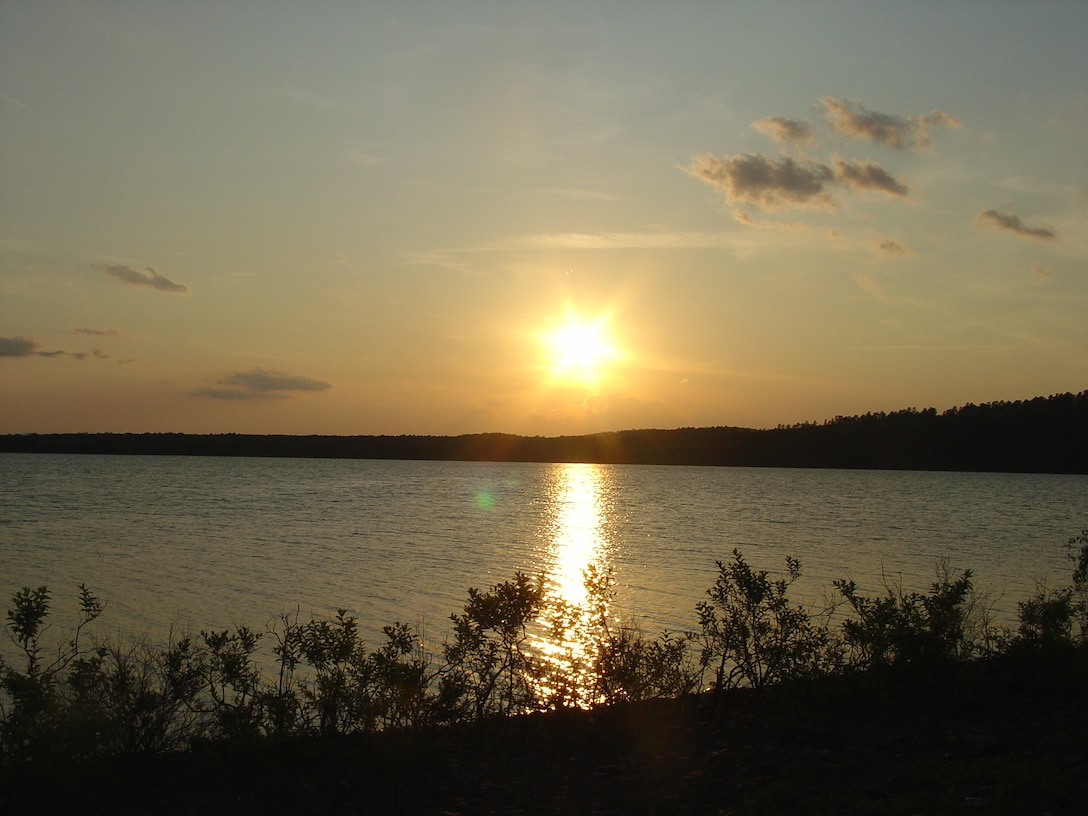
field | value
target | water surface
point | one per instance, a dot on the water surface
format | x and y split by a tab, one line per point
210	542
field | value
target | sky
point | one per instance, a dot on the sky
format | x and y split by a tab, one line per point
536	218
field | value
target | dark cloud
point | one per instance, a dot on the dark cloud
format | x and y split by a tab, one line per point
767	183
98	332
260	379
868	176
773	184
851	118
149	276
231	394
260	383
17	347
28	347
784	129
1011	222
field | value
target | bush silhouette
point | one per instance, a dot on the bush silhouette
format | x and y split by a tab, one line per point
71	697
753	634
908	628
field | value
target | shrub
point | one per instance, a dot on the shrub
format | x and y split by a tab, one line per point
74	700
1078	554
232	680
1046	619
626	665
33	707
1053	619
753	634
135	699
900	628
489	668
632	667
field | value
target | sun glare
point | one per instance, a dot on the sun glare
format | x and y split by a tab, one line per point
579	349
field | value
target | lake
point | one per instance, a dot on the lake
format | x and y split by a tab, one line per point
205	542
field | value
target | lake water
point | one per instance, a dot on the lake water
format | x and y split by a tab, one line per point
211	542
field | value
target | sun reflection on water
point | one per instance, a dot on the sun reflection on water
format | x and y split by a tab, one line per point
578	536
578	542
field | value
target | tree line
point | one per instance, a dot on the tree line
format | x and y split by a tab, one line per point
1044	435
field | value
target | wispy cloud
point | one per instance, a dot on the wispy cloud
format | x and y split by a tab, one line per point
850	118
604	240
1011	222
624	240
98	332
784	129
260	379
260	383
776	184
149	276
573	192
361	159
887	246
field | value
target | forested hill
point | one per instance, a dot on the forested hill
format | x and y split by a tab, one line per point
1045	434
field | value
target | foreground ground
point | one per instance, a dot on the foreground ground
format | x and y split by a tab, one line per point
985	740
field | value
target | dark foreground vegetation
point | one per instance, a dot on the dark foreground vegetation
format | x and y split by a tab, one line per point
1040	435
903	702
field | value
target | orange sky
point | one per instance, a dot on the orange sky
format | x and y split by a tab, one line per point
377	218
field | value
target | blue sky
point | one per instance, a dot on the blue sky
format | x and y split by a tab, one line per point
374	218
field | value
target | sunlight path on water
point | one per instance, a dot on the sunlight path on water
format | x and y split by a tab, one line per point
578	541
579	534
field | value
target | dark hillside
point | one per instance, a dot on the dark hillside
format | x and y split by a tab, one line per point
1044	434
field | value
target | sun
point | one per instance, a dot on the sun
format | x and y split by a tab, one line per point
579	349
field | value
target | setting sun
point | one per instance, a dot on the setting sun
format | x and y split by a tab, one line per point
579	348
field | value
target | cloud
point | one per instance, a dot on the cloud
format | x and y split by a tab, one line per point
889	247
28	347
361	159
1011	222
229	394
623	240
260	379
774	184
920	124
17	346
260	383
766	183
454	258
577	414
850	118
574	192
868	176
98	332
148	277
784	129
